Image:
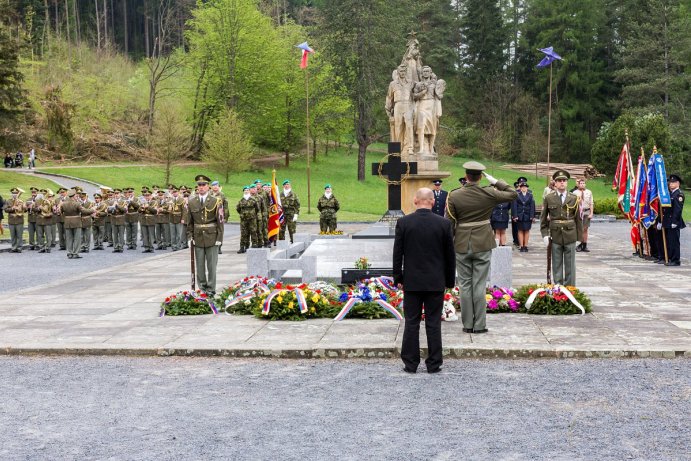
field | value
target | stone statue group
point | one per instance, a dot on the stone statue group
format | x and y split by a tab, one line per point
413	104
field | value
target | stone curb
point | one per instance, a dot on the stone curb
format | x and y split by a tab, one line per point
346	353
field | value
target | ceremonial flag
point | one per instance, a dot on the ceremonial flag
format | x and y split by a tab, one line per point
306	50
624	181
641	192
550	56
275	210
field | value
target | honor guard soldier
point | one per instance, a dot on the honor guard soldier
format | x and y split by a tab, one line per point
176	209
440	196
205	230
260	215
32	213
98	226
328	206
147	213
561	226
87	222
264	228
72	211
291	209
216	191
673	221
247	209
44	220
185	192
587	209
470	208
131	219
14	207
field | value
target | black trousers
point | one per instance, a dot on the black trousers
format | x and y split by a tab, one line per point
410	349
653	235
673	245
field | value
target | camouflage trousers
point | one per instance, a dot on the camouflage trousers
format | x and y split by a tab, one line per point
290	225
327	222
248	232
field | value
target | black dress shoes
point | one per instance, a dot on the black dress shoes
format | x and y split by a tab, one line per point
672	264
467	330
484	330
409	370
434	370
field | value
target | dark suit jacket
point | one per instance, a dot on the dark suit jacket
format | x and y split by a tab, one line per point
424	245
440	203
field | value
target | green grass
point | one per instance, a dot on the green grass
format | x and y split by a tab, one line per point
360	201
10	179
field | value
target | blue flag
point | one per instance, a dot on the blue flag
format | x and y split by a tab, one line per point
550	56
652	199
661	176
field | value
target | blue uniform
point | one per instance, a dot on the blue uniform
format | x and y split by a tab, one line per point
523	208
500	216
673	217
439	202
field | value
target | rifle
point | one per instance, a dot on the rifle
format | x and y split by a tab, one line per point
549	262
192	264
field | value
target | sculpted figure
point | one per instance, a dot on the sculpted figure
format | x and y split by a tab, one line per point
427	94
399	107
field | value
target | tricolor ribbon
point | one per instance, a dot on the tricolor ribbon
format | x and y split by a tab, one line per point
353	301
299	296
565	291
385	282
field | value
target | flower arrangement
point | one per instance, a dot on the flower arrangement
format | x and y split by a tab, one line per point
188	303
336	232
240	297
553	299
502	300
372	298
362	263
289	302
451	301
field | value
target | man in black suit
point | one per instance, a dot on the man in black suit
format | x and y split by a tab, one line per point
439	198
673	221
424	263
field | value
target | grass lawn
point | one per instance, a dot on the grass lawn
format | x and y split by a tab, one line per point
9	179
360	201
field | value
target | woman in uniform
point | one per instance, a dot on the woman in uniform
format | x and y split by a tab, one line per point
500	222
523	213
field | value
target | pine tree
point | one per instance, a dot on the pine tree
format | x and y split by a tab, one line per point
12	95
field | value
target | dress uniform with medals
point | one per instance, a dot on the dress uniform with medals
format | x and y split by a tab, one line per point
205	229
440	197
470	208
673	221
561	223
14	207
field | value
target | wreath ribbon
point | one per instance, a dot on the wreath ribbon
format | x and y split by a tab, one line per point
562	289
355	300
299	296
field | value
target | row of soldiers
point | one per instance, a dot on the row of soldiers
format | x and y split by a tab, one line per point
72	220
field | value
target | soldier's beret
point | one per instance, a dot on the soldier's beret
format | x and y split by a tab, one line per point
474	167
561	174
674	177
34	189
287	181
327	186
71	193
244	188
258	181
215	183
202	179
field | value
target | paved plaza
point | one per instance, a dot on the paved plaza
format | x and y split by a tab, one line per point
640	309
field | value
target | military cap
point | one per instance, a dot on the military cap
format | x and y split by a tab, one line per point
287	181
200	178
71	193
170	186
105	188
437	182
674	178
34	189
522	179
161	192
16	190
97	195
155	187
474	167
146	192
327	186
561	174
83	194
215	183
515	184
61	189
43	191
174	188
244	188
117	191
523	183
144	188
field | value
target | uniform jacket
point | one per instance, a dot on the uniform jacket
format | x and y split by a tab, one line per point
147	213
117	212
72	212
247	209
224	203
672	215
205	223
14	208
86	219
328	206
176	208
440	202
100	213
32	210
562	222
45	212
290	205
423	253
500	213
132	215
162	213
470	207
523	207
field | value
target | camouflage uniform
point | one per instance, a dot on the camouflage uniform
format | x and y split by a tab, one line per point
291	207
261	205
248	209
327	208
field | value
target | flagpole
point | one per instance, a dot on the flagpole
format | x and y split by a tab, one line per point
549	118
307	111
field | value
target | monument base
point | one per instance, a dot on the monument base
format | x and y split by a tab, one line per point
415	181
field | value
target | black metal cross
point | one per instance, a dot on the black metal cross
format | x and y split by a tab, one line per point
394	170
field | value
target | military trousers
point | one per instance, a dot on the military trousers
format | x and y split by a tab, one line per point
61	236
131	231
248	232
99	233
108	237
265	228
206	259
86	238
73	239
673	244
472	270
163	232
44	235
564	264
32	229
260	232
148	236
176	235
184	236
118	236
54	234
17	236
327	222
289	224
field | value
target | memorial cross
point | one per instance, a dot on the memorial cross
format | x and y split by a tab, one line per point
393	171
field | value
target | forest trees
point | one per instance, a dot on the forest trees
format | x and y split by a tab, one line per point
12	96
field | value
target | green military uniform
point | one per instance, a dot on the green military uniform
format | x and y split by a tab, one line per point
470	208
263	224
59	219
147	213
44	221
98	226
224	204
176	209
261	206
162	221
266	194
561	224
14	207
72	212
291	209
32	215
205	227
87	222
132	220
248	210
328	207
117	209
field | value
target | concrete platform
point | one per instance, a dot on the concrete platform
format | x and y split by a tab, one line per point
640	310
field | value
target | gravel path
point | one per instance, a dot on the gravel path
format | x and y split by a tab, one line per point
177	408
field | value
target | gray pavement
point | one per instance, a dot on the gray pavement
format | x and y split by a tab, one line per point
640	309
117	408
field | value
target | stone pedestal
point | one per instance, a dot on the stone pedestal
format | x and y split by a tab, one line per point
501	267
428	171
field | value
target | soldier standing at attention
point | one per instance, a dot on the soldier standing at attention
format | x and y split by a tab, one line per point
72	211
263	192
470	208
131	219
562	226
98	226
14	207
44	220
587	209
673	221
248	209
58	218
259	242
176	208
328	206
147	210
117	208
32	213
205	230
86	223
440	196
216	190
291	210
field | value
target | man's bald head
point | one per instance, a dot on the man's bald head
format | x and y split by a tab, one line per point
424	198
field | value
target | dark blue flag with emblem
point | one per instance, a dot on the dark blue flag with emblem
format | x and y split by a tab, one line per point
550	57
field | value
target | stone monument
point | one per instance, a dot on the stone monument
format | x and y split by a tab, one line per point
413	104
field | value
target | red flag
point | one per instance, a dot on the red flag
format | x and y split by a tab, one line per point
624	181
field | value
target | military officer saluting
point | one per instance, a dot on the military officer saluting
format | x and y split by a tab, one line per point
328	206
562	226
14	207
291	209
673	221
205	230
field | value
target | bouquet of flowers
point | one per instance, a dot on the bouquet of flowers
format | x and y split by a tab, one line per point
372	299
362	263
240	297
290	302
451	298
502	300
553	299
336	232
188	303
